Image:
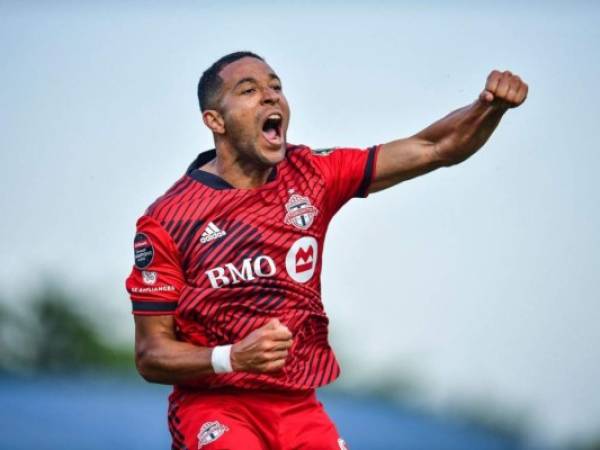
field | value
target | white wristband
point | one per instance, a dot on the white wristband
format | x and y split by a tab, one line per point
221	359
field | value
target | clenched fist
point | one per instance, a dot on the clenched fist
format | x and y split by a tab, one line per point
504	89
263	350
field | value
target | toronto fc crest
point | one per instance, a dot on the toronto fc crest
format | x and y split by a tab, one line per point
210	432
300	212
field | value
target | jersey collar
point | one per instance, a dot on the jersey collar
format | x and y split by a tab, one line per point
210	179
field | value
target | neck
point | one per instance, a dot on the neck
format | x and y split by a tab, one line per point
237	171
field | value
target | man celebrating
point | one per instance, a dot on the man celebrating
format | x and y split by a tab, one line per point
226	284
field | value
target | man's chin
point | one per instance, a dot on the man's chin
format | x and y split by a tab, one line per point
273	155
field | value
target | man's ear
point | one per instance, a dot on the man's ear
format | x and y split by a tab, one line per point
214	120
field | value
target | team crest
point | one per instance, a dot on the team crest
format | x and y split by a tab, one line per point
210	432
300	212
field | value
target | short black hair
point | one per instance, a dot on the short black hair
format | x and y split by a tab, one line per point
210	82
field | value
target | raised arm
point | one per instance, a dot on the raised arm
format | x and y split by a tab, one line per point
161	358
452	139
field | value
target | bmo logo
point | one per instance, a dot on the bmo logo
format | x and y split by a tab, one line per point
260	267
301	259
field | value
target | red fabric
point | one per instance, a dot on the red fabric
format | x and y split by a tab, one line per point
344	171
251	420
163	289
238	258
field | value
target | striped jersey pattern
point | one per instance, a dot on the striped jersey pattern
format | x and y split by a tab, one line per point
224	261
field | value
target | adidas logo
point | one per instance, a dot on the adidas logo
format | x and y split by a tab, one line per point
211	232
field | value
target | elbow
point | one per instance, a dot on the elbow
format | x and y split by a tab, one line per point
147	363
143	365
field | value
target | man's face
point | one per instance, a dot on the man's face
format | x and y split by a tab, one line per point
255	111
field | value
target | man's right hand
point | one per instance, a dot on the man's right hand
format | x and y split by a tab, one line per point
263	350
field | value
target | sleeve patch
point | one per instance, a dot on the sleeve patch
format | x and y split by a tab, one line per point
143	251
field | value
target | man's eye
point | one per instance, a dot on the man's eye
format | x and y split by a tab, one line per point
277	88
248	91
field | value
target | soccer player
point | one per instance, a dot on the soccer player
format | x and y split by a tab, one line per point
226	282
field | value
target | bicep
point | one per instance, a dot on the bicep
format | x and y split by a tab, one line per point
150	330
402	160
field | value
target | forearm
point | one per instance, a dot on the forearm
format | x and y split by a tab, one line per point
451	139
462	132
446	142
161	360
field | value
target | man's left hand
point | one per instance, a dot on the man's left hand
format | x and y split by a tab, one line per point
504	89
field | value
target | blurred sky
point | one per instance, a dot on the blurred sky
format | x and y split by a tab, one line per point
481	280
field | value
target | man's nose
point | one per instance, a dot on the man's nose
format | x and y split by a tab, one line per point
270	96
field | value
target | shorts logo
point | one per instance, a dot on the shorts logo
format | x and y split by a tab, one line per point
301	259
143	252
210	432
149	277
300	212
342	444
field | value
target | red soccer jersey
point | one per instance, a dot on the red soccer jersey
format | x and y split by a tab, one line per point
224	261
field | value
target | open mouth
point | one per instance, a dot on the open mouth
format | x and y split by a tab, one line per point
272	129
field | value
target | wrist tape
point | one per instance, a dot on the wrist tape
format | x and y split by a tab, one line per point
220	359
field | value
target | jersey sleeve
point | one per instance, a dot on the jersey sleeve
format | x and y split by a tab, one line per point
348	172
156	278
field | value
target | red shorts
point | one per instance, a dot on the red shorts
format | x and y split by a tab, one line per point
236	419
